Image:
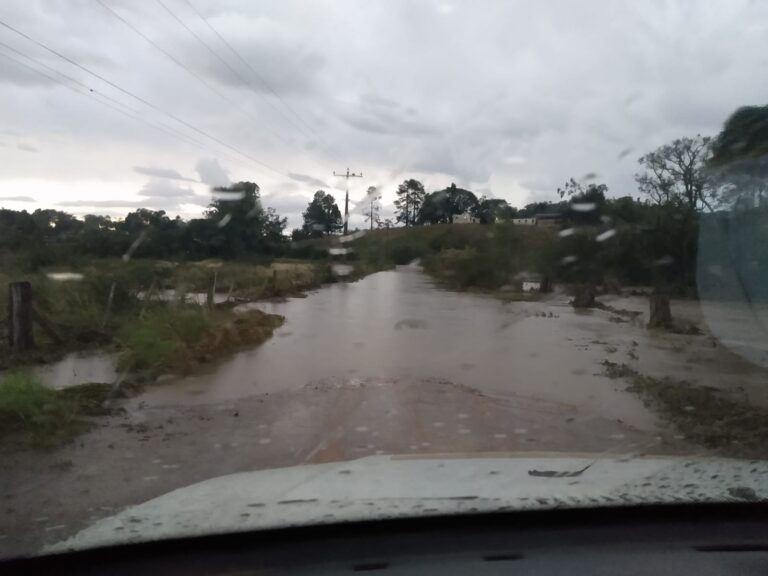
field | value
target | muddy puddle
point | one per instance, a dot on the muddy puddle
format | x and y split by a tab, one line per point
171	295
76	369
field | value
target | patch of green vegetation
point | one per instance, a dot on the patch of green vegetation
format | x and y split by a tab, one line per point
34	415
702	414
465	256
177	338
107	304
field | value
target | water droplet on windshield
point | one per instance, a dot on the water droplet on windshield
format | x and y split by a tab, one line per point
624	153
353	236
602	237
226	196
583	206
65	276
664	261
224	221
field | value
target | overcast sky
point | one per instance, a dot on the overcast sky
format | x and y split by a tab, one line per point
506	98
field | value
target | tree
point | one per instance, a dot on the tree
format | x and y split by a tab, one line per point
372	198
442	206
242	224
676	180
739	162
488	210
674	174
322	216
410	197
744	135
585	204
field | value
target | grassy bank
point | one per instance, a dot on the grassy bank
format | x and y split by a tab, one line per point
108	302
464	256
33	415
702	414
179	338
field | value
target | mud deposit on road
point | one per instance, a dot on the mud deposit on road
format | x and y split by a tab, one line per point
142	454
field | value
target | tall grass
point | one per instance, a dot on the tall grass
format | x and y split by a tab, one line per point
464	255
33	412
177	338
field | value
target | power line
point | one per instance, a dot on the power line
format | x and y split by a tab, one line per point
186	68
91	92
223	61
255	73
110	102
139	98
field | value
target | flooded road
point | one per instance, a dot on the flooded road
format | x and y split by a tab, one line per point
391	365
397	325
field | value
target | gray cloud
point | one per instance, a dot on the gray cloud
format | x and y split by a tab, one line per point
16	199
26	147
161	173
443	91
104	203
211	172
163	189
311	180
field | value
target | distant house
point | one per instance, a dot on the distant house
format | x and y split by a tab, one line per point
465	218
524	221
549	219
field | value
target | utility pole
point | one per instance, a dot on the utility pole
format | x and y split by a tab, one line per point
373	197
347	176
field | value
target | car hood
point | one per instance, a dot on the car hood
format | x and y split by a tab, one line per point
381	487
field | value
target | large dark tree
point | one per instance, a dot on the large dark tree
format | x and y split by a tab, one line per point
322	216
442	206
676	180
410	197
243	226
489	210
585	203
674	174
739	163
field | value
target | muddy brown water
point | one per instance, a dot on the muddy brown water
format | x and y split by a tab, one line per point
398	325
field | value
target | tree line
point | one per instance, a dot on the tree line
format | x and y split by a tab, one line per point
680	185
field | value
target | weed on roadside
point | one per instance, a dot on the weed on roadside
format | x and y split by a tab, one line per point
703	415
36	416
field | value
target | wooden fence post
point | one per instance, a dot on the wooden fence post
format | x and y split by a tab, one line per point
211	299
20	335
660	313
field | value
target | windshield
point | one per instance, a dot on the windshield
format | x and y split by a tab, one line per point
312	261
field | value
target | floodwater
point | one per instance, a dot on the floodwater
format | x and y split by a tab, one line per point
397	325
76	369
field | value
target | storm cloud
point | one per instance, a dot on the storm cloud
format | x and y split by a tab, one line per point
507	97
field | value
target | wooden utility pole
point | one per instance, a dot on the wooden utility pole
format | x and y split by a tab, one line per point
20	335
347	176
373	197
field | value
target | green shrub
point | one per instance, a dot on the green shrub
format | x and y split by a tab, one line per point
33	412
402	253
23	398
161	334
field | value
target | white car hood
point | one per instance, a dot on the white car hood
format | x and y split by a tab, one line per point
407	486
